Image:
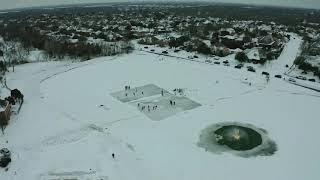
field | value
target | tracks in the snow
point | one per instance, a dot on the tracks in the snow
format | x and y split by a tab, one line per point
80	133
75	67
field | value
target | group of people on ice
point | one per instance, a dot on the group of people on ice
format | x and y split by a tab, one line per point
172	103
147	107
179	91
134	93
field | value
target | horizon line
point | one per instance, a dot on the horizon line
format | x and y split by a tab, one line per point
141	2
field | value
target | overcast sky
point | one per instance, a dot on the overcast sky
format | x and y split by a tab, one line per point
9	4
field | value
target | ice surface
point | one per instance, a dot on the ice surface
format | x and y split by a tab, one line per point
155	101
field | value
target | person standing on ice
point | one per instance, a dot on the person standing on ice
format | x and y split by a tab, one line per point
113	155
162	93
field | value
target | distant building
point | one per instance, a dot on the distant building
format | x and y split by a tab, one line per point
267	41
255	55
149	40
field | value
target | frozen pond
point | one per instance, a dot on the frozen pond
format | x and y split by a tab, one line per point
243	140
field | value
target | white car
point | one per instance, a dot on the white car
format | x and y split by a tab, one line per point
301	77
292	80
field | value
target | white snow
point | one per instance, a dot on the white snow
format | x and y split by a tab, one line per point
36	56
63	132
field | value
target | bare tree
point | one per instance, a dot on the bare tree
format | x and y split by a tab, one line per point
13	53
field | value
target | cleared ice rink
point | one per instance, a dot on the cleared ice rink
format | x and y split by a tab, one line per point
155	102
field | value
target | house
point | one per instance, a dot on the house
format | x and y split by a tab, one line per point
253	55
111	36
266	41
149	40
227	31
232	42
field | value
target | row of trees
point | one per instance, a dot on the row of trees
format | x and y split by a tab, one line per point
20	39
58	49
242	57
309	49
12	53
85	51
302	64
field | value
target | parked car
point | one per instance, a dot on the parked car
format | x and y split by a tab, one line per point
301	77
152	50
164	52
195	56
225	62
239	66
5	152
4	161
146	47
251	69
216	62
216	58
278	76
304	72
176	50
292	80
312	80
5	157
208	61
265	73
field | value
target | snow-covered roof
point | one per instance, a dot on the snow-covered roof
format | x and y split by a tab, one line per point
265	27
230	30
236	50
253	54
229	37
268	40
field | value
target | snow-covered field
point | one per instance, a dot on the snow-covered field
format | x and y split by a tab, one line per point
63	132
